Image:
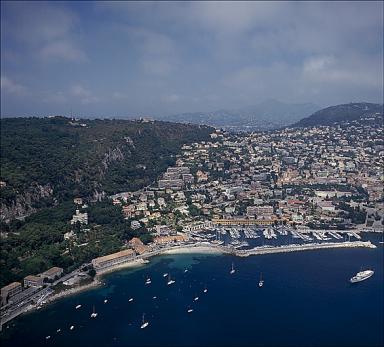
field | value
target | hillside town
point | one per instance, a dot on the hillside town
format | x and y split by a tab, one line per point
237	190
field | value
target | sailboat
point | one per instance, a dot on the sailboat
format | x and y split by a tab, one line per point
170	281
232	270
148	281
93	314
261	282
144	324
382	238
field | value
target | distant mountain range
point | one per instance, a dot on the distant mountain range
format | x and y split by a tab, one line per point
270	114
341	113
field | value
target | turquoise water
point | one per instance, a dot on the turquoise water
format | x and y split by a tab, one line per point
306	300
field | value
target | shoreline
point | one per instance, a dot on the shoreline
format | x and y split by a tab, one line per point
193	249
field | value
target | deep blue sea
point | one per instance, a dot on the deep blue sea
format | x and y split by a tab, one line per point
306	300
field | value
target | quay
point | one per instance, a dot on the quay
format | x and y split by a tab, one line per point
305	247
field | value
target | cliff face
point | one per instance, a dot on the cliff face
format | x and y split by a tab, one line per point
25	203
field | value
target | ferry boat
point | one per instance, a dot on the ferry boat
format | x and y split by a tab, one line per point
170	281
232	270
144	324
362	276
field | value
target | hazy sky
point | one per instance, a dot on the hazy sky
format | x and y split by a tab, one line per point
131	58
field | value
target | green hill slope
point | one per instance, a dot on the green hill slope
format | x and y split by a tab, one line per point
340	113
44	160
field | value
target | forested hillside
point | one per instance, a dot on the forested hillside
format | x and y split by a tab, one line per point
49	160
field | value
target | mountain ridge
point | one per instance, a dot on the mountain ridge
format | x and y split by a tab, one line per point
340	113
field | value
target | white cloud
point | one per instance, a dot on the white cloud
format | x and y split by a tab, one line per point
83	94
11	87
43	29
63	50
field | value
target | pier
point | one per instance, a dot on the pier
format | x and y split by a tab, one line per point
305	247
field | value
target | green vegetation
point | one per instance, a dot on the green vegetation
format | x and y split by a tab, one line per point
74	160
46	162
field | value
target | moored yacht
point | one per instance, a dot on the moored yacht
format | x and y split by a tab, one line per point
170	281
362	276
261	281
93	314
144	324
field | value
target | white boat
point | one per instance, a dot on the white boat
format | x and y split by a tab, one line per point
186	270
105	301
165	275
77	307
148	281
71	327
154	297
205	290
190	310
48	337
170	281
144	324
196	298
362	276
93	314
130	300
58	330
261	281
232	270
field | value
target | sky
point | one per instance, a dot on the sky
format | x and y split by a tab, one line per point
131	58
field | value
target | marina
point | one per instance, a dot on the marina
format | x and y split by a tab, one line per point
272	274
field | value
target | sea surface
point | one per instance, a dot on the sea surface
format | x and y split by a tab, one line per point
306	300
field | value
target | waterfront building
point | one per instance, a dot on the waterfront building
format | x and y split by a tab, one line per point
113	259
52	273
170	239
33	281
243	221
138	246
9	291
197	226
